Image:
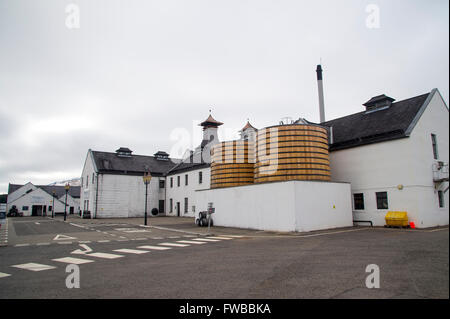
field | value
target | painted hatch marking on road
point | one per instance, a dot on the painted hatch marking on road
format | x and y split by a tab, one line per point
154	247
71	260
104	255
3	275
34	267
173	244
131	251
190	242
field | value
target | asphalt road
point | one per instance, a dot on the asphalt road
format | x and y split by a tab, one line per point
241	264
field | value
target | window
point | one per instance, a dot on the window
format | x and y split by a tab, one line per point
87	181
25	208
171	184
162	183
171	205
50	208
178	181
93	178
382	200
82	181
434	142
185	205
358	200
186	178
441	198
200	177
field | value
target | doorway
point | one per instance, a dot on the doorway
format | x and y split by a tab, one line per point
178	209
36	210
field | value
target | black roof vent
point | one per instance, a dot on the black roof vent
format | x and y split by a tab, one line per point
124	151
161	156
377	103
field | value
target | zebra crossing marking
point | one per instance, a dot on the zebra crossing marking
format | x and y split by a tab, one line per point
205	239
174	244
154	247
190	242
72	260
104	255
220	237
34	267
131	251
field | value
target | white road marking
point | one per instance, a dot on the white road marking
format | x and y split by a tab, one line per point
104	241
235	236
205	239
42	244
3	275
65	242
37	223
189	236
104	255
157	238
142	238
131	251
173	237
132	230
22	245
63	237
34	267
71	260
77	225
174	244
219	237
431	231
84	242
86	248
154	247
190	242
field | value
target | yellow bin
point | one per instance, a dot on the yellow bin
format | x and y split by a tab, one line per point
399	219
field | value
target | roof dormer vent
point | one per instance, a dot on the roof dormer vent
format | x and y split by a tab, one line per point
378	103
161	156
124	152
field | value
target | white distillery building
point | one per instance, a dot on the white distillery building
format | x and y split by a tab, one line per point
395	155
392	156
40	200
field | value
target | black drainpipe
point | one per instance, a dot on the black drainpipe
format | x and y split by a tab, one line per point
96	196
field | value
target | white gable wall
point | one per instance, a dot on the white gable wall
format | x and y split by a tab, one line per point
408	161
20	192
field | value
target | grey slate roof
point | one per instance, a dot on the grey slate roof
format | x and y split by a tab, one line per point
194	161
107	162
372	127
74	191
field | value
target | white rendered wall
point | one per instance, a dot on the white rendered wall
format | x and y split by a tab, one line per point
282	206
124	196
408	161
178	194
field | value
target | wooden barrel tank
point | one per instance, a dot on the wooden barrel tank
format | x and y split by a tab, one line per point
232	163
292	152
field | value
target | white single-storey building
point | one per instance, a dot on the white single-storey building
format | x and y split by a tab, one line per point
41	200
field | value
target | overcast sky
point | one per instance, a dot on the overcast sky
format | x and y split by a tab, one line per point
136	70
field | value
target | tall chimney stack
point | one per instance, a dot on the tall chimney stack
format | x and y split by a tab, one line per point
320	85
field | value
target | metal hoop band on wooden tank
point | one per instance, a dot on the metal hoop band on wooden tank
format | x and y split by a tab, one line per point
232	163
292	152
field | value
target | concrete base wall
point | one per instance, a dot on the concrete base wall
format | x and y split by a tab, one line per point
282	206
